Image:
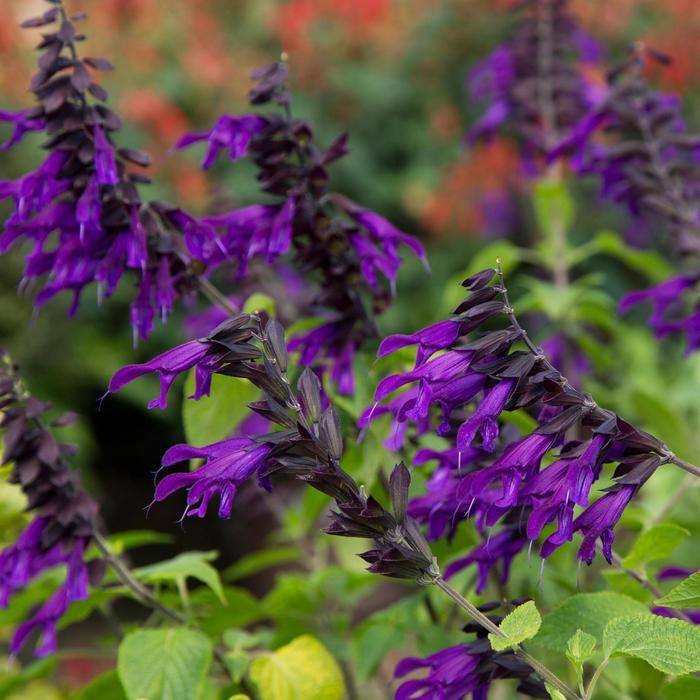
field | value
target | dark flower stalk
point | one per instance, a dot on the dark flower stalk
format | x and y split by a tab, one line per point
81	209
514	484
306	444
64	514
346	248
647	161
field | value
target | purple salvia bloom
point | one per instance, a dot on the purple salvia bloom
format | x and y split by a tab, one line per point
429	340
229	133
596	522
105	162
451	676
24	122
485	418
227	465
498	550
168	365
555	491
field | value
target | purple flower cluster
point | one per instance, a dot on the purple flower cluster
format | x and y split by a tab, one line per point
81	210
532	82
488	474
464	669
637	143
346	249
306	444
63	525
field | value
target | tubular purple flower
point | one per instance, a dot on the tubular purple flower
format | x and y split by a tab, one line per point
24	122
227	465
498	550
168	365
233	134
105	162
485	418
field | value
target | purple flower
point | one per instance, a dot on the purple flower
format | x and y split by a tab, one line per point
664	297
105	162
228	133
48	615
466	669
168	365
227	465
429	340
498	550
596	522
451	676
485	418
555	491
24	122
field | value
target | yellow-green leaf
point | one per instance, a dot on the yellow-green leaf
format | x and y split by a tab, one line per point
301	670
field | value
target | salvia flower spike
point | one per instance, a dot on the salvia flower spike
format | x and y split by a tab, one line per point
63	524
353	254
81	210
647	163
532	82
495	478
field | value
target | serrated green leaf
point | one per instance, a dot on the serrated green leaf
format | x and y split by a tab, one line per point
519	625
670	645
656	543
301	670
580	647
589	612
164	664
681	689
214	417
685	595
187	565
254	562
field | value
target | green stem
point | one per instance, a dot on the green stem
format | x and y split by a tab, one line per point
594	679
490	626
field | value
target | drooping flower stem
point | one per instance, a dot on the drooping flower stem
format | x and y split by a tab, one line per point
483	620
143	593
666	454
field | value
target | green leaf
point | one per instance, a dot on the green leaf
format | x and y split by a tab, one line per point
589	612
189	564
646	262
258	302
237	663
104	687
656	543
685	595
35	670
215	617
214	417
255	562
239	696
519	625
123	541
554	693
301	670
580	647
164	664
670	645
681	689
